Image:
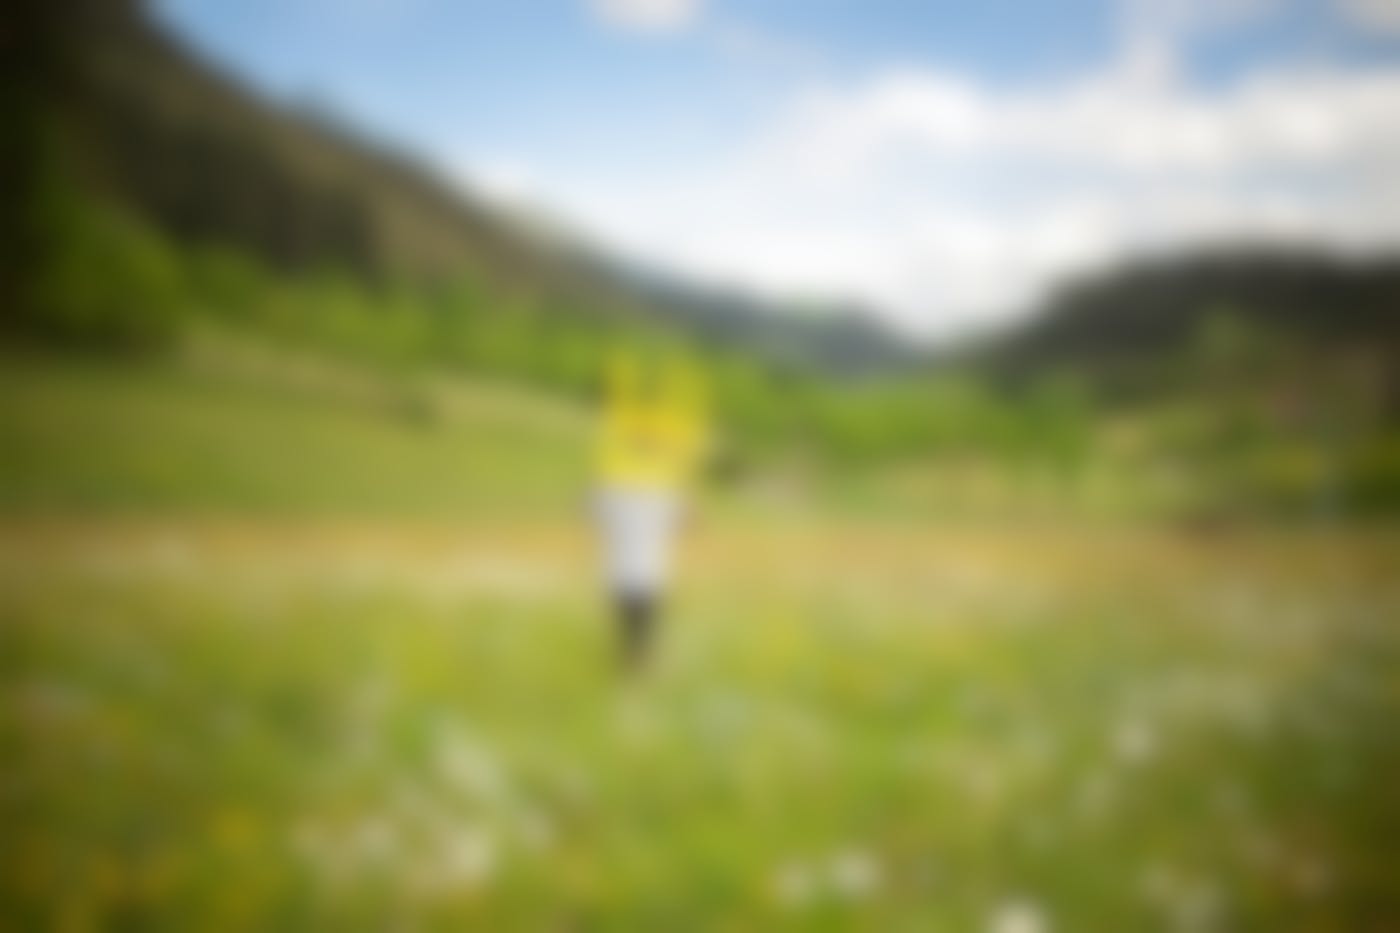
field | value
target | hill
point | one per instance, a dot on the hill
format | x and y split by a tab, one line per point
232	428
148	124
1146	326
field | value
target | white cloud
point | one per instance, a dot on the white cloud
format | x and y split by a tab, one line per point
505	181
750	45
952	204
648	16
1124	121
1378	16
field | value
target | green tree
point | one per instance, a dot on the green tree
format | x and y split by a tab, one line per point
106	281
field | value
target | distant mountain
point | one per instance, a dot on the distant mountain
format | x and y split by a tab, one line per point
843	336
206	160
150	124
1117	325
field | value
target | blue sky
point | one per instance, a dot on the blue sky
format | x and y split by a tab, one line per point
944	161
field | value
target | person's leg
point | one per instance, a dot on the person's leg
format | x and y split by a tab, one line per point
637	616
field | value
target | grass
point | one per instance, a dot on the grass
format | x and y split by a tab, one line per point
234	429
234	703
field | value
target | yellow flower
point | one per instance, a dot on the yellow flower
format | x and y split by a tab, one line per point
234	829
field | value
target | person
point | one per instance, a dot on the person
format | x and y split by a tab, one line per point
651	438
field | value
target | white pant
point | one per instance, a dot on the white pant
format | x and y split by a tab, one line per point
638	528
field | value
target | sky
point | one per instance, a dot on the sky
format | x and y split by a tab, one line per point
944	163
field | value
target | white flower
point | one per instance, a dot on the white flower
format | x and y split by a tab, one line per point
1189	903
720	716
374	839
470	766
794	885
1158	883
982	778
636	722
855	874
1018	915
535	828
1198	905
468	857
1134	741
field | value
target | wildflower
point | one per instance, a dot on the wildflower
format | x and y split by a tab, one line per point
1189	903
1018	915
470	766
1134	741
982	779
636	722
469	857
1199	905
373	839
535	828
855	874
721	716
794	885
1158	883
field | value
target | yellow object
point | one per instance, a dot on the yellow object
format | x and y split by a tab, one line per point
653	433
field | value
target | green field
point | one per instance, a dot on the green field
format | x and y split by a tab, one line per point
229	427
282	647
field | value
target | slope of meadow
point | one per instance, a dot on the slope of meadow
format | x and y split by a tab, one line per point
228	426
294	642
245	684
274	725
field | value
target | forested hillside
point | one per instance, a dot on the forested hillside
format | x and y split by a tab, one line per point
1141	328
147	125
155	196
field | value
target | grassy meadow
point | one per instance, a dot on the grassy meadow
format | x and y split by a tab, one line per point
284	646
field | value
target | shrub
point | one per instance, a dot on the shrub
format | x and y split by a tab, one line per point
106	281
